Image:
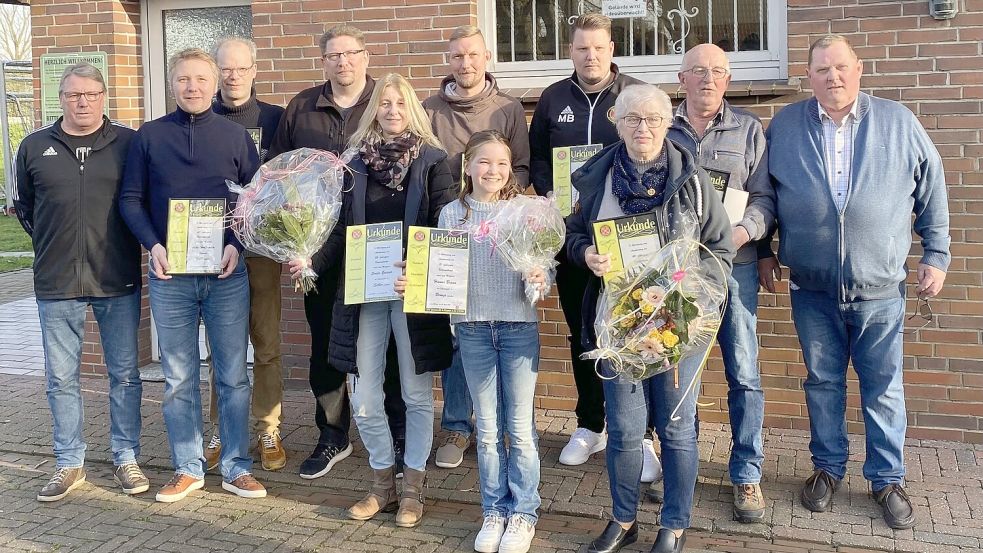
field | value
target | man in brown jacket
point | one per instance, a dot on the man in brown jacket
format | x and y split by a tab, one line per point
469	101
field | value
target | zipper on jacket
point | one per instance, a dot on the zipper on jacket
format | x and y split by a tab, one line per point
81	235
191	135
591	106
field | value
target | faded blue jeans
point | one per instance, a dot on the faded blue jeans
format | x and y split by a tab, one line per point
501	363
223	304
62	331
458	407
626	410
738	339
868	333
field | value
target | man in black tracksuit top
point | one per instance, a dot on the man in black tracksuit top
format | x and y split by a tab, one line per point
323	117
578	110
68	179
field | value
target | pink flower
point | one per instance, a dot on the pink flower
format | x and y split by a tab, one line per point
679	275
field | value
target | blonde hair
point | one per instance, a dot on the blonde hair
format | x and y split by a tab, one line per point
591	22
479	139
193	54
419	124
466	31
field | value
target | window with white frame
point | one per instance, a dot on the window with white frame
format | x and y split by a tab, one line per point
530	38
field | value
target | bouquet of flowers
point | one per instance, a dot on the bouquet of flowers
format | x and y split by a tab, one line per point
660	312
290	207
527	232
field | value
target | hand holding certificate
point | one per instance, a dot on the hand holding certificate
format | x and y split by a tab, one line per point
195	236
437	271
627	241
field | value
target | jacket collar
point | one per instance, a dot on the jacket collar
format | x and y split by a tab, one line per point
472	103
724	120
414	191
325	99
862	107
590	178
220	106
106	133
185	117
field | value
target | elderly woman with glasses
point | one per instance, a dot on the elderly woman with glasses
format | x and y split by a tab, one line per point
642	173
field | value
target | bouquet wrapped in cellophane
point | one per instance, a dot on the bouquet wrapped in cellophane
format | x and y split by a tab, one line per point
527	232
290	207
658	313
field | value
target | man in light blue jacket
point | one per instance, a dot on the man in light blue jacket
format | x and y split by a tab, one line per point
849	169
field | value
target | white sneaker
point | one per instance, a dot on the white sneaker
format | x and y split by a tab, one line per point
490	534
583	443
651	467
518	536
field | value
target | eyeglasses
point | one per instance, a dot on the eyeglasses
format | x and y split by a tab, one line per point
633	121
923	311
335	56
74	97
241	71
702	72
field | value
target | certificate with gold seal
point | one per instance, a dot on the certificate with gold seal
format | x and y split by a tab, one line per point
566	161
195	236
437	271
628	241
371	254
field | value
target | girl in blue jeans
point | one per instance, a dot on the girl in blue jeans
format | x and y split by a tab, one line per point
499	342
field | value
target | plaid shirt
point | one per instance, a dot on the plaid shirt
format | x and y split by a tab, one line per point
838	149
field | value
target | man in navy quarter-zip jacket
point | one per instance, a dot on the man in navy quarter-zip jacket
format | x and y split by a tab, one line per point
189	154
68	178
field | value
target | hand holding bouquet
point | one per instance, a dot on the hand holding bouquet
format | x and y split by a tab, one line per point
290	207
527	232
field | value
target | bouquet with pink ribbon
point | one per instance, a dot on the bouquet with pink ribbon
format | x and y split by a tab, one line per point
291	206
527	232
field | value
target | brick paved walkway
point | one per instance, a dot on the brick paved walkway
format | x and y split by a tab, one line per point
20	330
945	481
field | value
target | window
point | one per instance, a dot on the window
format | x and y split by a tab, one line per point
530	37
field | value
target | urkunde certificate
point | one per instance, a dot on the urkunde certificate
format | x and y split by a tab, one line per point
566	161
437	271
371	254
629	241
195	235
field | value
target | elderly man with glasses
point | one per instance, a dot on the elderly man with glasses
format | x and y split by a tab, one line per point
730	144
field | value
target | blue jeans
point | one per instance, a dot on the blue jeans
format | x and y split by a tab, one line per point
457	401
62	331
738	339
375	322
501	362
868	333
625	408
223	304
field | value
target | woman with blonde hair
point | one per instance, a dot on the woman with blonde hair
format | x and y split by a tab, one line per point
399	174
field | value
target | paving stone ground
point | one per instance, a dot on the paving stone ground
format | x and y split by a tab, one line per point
945	482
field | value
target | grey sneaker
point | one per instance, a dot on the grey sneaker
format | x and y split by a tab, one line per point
749	503
63	481
451	454
131	479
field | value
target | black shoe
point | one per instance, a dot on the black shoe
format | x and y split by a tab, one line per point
398	447
614	538
898	511
817	494
323	459
667	542
654	492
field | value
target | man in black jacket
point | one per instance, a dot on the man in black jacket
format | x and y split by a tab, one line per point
236	101
576	111
68	179
323	117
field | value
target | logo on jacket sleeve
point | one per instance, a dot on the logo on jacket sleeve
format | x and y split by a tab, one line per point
50	151
566	116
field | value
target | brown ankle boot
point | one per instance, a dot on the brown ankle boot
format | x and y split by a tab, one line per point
411	500
381	497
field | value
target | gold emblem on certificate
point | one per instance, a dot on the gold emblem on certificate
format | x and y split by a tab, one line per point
629	241
566	161
437	271
195	236
371	254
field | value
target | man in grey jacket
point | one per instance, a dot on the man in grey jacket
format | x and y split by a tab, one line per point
849	170
729	143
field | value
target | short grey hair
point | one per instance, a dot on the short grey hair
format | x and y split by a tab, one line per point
83	70
341	30
636	95
193	54
235	40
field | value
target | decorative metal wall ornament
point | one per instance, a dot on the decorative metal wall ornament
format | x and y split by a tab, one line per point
684	15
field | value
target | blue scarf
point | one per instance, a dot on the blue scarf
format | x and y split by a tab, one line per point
638	193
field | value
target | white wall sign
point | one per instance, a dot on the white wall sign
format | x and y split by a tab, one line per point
620	9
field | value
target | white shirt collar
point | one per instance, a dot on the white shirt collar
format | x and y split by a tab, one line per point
852	115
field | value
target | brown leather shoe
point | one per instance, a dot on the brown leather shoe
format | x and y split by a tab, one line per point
245	486
271	452
178	488
381	497
213	452
411	500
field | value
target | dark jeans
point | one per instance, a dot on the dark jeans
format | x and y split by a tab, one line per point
332	411
572	283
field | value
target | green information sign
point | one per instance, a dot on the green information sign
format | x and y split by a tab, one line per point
52	66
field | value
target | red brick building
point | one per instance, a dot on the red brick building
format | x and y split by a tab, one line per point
933	66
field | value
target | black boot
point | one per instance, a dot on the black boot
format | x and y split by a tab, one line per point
667	542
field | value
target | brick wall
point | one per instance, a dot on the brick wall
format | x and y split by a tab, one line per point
933	67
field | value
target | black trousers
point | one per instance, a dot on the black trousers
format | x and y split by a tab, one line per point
332	411
572	284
